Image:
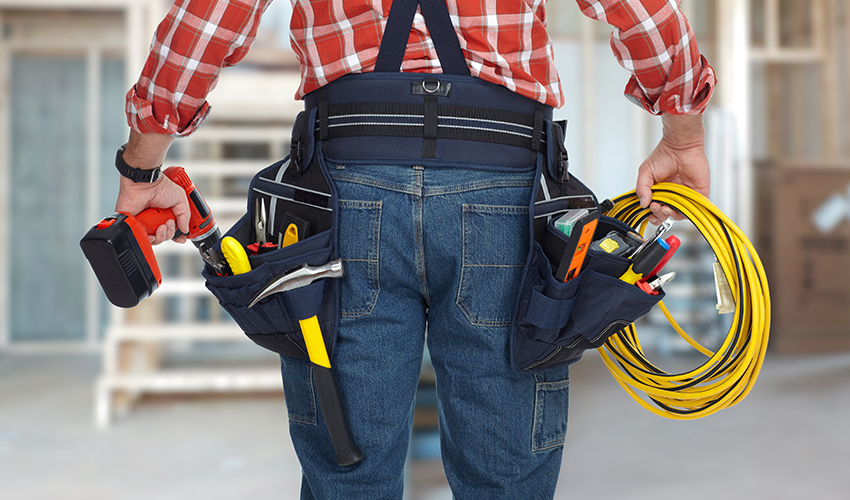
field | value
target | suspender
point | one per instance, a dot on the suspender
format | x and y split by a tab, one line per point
397	31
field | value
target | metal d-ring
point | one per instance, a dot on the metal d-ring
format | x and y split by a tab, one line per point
426	89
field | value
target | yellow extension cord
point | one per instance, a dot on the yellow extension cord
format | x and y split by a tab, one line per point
730	372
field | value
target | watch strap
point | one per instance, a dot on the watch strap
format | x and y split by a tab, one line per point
135	174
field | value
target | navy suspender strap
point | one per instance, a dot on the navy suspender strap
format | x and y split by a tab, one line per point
397	32
444	37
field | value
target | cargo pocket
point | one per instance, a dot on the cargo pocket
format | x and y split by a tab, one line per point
551	407
359	236
492	263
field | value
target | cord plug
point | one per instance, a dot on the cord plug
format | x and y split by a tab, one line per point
725	302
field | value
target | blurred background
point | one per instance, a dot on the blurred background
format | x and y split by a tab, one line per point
169	400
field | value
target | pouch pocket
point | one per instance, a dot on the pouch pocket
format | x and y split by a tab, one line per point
556	322
273	323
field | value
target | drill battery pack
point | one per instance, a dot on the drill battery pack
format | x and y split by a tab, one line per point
122	258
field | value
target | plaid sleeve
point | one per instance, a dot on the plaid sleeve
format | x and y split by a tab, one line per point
654	41
191	45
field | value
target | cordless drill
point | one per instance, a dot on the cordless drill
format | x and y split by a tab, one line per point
121	254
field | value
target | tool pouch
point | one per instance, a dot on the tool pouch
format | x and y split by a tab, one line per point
295	189
555	322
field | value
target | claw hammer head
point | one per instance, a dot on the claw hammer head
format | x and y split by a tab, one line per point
298	278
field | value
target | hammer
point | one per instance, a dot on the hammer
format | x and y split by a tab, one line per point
344	447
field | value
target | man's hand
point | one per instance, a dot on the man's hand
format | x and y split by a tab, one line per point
147	151
135	197
680	158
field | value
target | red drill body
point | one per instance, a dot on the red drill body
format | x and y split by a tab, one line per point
121	254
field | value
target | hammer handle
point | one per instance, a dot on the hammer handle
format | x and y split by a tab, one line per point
346	452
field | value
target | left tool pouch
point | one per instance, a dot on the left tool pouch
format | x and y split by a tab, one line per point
296	190
555	322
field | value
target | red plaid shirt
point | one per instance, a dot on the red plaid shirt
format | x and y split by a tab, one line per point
503	42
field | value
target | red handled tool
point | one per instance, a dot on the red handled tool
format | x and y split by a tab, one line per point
262	245
674	243
121	254
652	284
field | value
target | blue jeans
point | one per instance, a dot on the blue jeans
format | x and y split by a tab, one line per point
437	249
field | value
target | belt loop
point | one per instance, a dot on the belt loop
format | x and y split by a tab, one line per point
430	122
296	143
560	131
537	134
539	121
323	117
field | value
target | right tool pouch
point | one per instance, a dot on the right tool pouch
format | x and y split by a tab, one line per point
555	322
296	190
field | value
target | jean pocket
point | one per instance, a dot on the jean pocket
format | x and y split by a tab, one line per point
359	236
495	246
551	407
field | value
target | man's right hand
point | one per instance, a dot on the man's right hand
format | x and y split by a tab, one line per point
133	198
147	151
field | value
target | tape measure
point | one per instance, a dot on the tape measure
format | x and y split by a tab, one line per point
731	371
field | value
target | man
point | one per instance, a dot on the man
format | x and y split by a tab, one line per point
420	227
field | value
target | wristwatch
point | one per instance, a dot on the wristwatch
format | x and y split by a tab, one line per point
135	174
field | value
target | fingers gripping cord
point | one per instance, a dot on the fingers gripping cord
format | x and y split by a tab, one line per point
731	371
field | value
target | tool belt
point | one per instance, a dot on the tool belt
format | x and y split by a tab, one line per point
554	322
420	119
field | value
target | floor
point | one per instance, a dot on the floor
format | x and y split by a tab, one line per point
787	440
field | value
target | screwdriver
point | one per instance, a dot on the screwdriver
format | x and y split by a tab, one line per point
646	261
674	243
235	255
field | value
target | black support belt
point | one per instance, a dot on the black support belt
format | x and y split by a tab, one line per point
437	121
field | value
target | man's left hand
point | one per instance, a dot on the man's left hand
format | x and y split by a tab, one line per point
680	158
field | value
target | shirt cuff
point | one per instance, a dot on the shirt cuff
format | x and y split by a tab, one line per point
142	117
671	101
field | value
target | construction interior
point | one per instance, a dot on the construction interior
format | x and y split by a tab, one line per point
170	400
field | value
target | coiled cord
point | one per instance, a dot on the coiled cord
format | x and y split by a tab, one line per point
731	371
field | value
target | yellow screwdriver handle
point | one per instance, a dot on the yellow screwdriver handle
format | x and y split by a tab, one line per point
631	277
235	255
